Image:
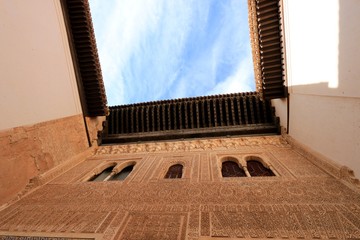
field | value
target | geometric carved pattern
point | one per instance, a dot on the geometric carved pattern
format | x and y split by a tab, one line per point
302	201
284	221
154	226
8	237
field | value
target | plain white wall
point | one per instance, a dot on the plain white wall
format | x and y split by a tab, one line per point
37	79
323	75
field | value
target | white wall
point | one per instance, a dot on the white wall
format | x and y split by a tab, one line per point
37	81
323	75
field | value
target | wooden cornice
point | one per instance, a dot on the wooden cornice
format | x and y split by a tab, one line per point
85	55
267	47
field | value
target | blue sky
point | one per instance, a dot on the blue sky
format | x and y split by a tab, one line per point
163	49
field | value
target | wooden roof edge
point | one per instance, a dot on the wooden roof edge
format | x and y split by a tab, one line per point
254	42
189	99
257	19
75	9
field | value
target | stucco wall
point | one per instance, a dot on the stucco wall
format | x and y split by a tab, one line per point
323	76
37	76
301	202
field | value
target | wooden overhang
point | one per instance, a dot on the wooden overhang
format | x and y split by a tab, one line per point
267	47
84	51
218	115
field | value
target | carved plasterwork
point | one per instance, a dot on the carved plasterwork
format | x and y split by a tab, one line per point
47	236
303	201
191	145
11	237
260	209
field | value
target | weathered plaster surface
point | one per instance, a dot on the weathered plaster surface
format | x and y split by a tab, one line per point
26	152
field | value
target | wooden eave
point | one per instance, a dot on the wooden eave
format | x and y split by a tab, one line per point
210	116
86	60
267	48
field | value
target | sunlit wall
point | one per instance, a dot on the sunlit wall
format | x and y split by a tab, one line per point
323	76
37	79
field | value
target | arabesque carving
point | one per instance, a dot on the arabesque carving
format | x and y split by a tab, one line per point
190	145
301	202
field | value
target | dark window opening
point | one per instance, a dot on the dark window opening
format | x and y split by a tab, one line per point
232	169
122	174
175	171
257	169
100	177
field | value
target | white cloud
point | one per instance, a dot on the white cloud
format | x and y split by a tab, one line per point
240	81
158	49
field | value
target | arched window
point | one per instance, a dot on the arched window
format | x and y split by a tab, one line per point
101	176
231	169
122	174
257	169
175	171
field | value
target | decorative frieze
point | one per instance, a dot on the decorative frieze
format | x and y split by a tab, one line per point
189	145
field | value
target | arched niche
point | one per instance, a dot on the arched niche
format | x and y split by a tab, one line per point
257	167
123	173
175	171
103	172
230	167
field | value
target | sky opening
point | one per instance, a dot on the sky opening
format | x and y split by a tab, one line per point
153	50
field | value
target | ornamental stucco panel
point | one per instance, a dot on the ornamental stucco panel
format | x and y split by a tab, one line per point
302	201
